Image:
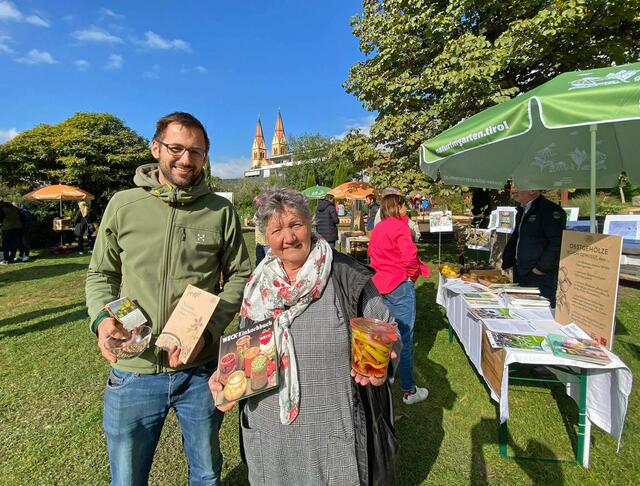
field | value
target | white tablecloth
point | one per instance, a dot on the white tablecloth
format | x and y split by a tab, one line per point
608	387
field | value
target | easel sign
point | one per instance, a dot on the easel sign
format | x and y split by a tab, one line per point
440	221
588	283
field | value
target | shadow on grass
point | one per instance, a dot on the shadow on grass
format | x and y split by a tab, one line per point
27	316
541	473
419	427
620	329
23	274
238	475
74	315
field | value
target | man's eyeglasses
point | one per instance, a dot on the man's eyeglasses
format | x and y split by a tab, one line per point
176	150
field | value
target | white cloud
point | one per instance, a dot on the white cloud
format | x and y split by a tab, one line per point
6	135
115	62
34	56
153	73
81	64
95	34
230	167
37	21
198	69
363	124
4	44
154	41
105	12
8	12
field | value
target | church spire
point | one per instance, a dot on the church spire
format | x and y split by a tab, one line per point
279	142
259	149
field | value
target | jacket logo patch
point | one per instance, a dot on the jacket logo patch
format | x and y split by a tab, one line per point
532	217
200	238
556	215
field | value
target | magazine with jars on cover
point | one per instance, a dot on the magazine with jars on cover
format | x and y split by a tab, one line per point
247	363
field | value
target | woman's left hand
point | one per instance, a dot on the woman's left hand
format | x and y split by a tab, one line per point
367	380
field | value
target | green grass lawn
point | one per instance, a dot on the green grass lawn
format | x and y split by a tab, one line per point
52	379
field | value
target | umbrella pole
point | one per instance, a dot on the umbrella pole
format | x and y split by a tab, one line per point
593	129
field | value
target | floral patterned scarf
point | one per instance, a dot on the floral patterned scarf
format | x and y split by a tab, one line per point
269	295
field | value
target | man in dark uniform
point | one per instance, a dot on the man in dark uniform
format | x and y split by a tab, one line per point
533	249
373	210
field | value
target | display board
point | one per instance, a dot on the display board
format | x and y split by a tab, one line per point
588	283
572	213
440	221
506	219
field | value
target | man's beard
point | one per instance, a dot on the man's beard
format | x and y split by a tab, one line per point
166	172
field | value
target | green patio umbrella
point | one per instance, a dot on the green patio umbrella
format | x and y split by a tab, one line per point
316	192
565	133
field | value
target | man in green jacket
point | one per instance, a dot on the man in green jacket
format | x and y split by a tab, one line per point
154	240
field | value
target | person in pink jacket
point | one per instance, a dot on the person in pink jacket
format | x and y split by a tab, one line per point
394	257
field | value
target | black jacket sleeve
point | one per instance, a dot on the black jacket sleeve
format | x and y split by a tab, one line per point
554	221
334	214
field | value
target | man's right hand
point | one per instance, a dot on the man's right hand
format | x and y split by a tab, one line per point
109	327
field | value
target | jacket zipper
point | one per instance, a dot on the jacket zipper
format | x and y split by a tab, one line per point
163	361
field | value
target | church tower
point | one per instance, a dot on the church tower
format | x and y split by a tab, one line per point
279	143
259	151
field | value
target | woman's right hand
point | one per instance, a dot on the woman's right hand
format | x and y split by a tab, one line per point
216	387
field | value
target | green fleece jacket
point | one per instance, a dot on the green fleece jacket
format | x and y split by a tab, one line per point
153	241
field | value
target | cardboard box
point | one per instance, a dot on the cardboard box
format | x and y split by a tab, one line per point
60	224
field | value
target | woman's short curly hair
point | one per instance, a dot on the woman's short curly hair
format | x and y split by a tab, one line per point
277	200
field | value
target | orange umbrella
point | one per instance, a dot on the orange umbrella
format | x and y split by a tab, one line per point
352	190
59	192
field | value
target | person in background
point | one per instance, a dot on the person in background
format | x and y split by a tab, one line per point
261	242
326	424
83	226
26	218
533	249
11	228
413	226
327	220
169	231
394	257
373	211
340	208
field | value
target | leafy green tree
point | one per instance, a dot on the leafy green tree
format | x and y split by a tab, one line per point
311	180
430	64
94	151
357	149
339	176
312	153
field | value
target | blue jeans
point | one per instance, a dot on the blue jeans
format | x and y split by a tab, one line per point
402	305
135	407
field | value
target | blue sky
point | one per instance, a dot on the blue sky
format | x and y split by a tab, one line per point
224	61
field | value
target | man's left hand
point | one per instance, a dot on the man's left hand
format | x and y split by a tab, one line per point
537	272
174	353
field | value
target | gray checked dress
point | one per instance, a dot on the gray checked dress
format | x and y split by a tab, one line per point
318	448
